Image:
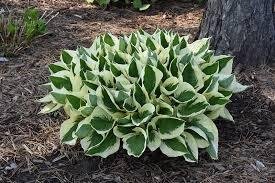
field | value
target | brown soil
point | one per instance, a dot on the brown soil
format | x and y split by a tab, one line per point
31	141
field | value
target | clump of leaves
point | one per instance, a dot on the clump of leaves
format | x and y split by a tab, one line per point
17	33
144	91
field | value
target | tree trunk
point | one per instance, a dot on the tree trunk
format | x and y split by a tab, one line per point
243	28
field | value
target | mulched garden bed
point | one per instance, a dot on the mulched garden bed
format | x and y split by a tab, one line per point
29	143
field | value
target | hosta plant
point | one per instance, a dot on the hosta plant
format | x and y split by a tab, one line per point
142	91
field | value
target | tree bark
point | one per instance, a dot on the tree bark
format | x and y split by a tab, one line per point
243	28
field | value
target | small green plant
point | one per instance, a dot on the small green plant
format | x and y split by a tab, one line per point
17	33
155	91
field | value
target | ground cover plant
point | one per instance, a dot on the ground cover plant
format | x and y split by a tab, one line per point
16	33
155	91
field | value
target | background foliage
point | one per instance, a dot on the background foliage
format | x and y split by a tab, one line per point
140	5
